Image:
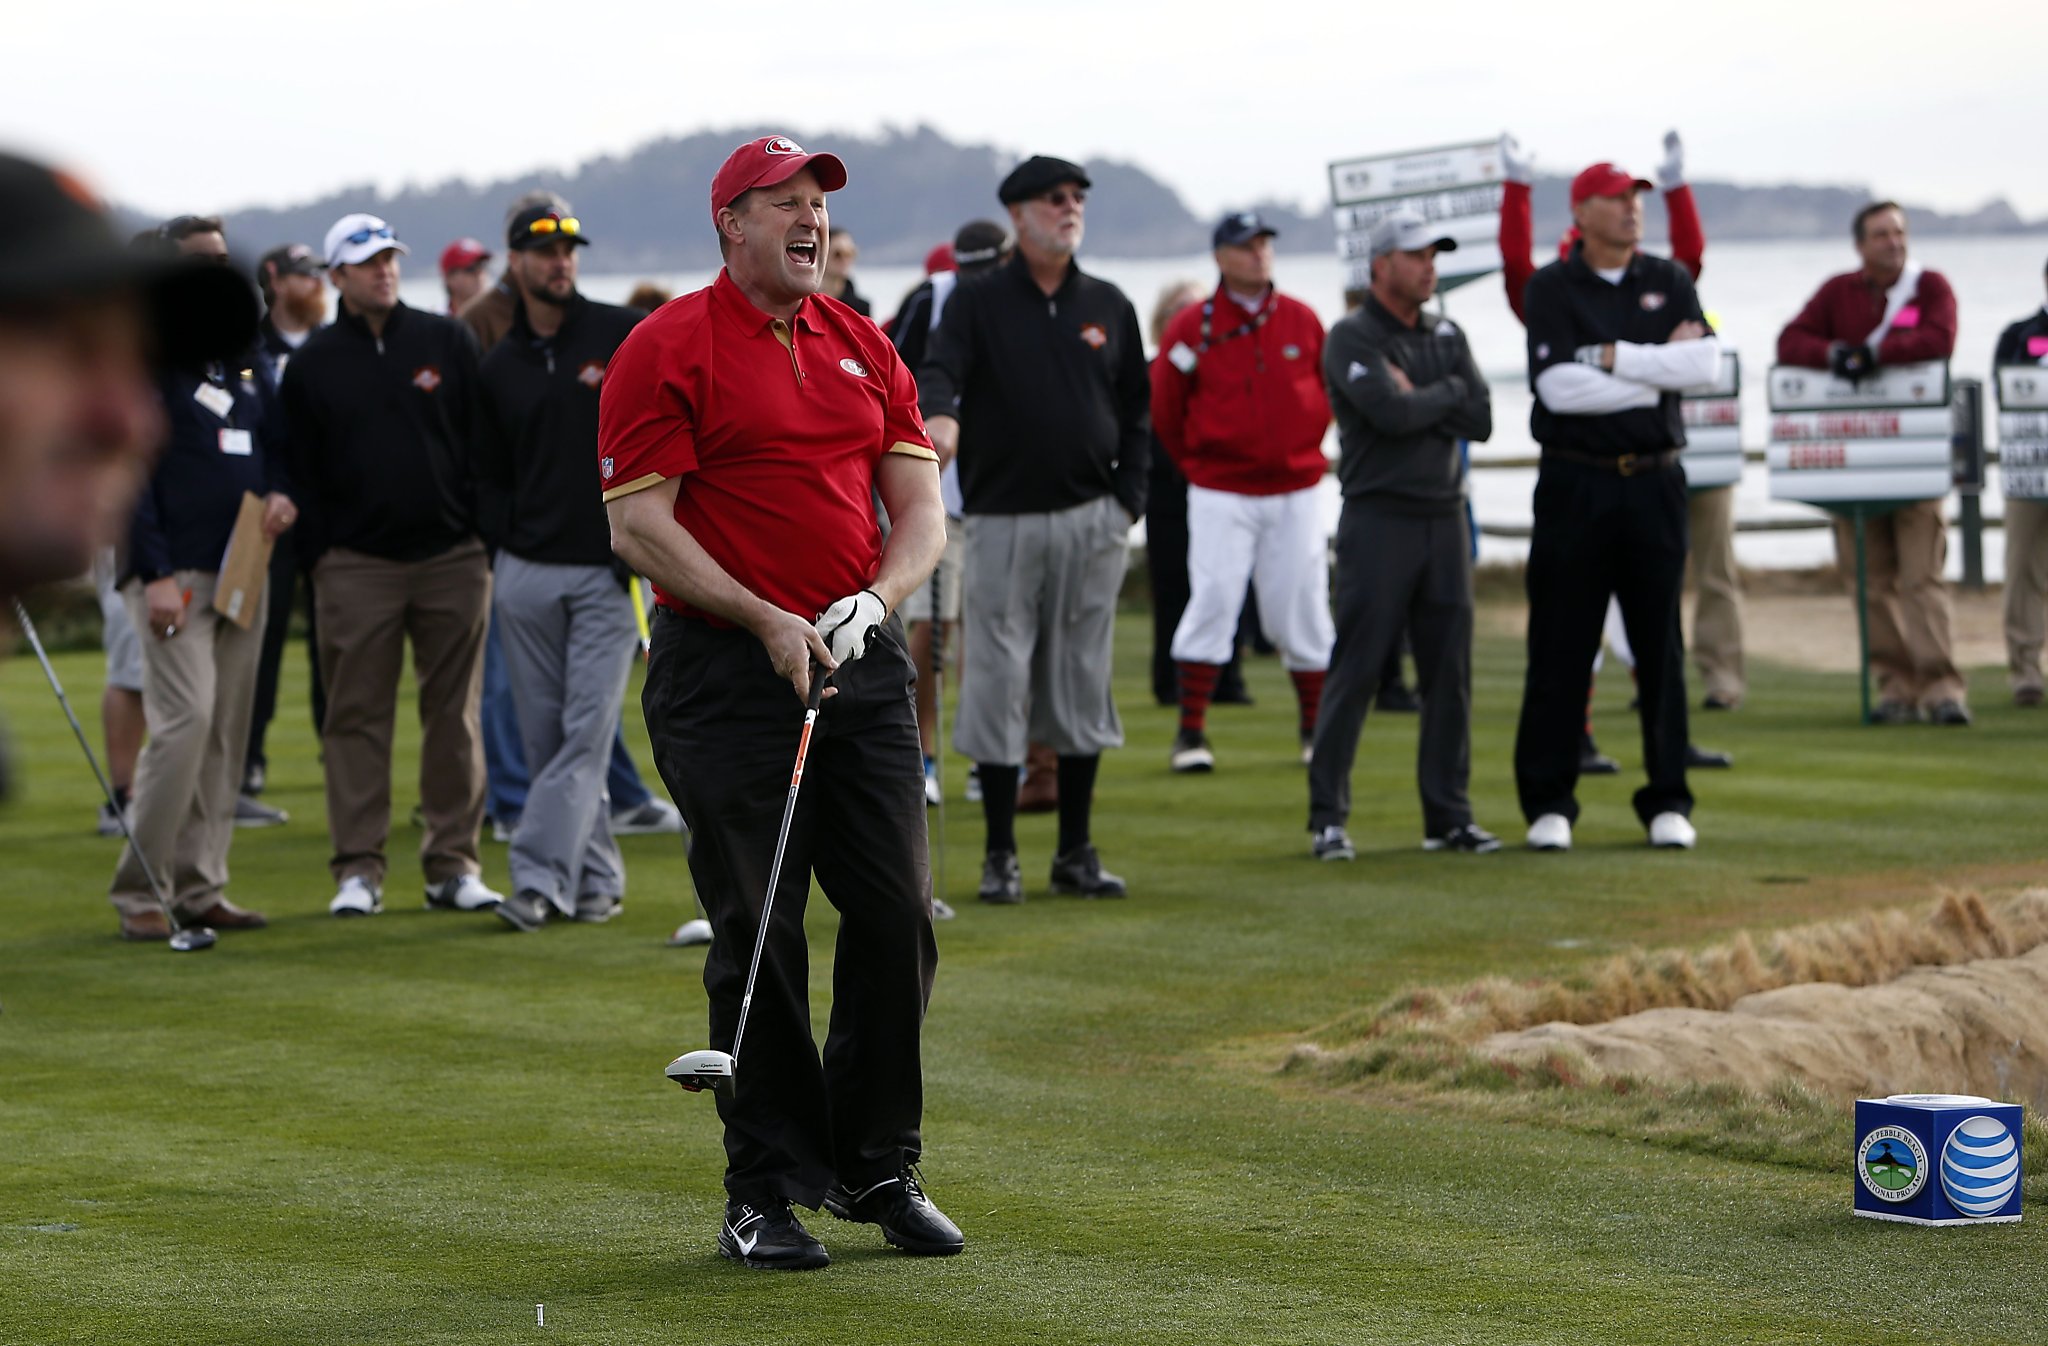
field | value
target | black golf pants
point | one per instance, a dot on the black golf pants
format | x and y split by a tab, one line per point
725	730
1599	533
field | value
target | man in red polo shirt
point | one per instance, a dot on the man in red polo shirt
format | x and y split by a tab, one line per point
1238	402
1892	311
743	432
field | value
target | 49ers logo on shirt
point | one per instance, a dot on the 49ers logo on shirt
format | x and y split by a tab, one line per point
1653	301
1093	334
426	378
591	374
782	145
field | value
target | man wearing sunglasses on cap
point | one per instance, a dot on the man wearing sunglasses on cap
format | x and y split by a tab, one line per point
563	619
381	409
1036	376
489	314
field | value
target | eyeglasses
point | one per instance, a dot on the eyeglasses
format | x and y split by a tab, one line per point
1061	196
362	236
555	224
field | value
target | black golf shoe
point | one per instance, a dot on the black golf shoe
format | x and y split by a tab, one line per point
1079	873
1002	880
767	1236
907	1217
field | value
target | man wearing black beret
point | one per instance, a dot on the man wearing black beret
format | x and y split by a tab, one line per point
1036	377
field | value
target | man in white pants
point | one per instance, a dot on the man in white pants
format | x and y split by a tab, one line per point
1238	402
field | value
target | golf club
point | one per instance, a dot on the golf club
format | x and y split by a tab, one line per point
184	939
710	1068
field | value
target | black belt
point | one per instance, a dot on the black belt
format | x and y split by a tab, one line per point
1626	464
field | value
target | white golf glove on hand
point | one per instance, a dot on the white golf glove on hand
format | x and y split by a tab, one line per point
848	625
1517	165
1671	173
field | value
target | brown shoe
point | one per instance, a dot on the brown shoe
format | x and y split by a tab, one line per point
145	925
225	915
1040	792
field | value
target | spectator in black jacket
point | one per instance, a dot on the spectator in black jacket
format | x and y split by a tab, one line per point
565	623
2026	524
199	666
1036	377
381	408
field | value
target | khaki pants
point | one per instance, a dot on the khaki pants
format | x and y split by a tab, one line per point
196	689
1910	646
367	607
1717	597
2026	590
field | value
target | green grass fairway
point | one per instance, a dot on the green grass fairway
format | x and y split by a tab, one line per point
414	1129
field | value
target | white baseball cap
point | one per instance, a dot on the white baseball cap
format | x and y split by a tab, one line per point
358	238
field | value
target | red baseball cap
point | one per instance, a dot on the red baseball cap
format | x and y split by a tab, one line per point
767	161
1604	179
463	254
940	259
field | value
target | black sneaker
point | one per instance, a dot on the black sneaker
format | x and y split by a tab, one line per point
525	910
1469	838
906	1215
1950	713
1002	880
1191	752
1079	873
767	1236
1396	699
1333	843
1593	762
1706	759
1894	712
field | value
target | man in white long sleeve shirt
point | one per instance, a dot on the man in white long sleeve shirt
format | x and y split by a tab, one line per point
1614	334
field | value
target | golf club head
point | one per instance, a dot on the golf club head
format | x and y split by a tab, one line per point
193	939
691	932
698	1071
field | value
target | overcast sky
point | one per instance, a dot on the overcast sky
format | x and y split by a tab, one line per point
196	106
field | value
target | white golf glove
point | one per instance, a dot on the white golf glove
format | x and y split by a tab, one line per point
848	625
1671	173
1517	165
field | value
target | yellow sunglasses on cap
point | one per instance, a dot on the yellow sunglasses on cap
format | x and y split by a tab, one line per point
552	224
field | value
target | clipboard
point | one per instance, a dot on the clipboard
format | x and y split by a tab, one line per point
238	590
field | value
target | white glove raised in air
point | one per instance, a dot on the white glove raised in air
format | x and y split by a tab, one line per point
1671	173
848	624
1515	163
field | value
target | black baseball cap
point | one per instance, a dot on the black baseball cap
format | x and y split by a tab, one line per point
555	224
979	243
1038	175
1240	227
57	245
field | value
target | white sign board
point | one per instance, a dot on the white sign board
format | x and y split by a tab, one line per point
1887	437
1713	429
2023	431
1456	187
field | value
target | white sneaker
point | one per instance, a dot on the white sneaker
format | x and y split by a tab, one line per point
932	797
356	898
696	931
465	892
656	817
1672	832
1551	832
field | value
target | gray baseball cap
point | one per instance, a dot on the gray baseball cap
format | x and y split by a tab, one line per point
1406	231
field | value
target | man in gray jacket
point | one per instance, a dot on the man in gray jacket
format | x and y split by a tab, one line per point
1405	390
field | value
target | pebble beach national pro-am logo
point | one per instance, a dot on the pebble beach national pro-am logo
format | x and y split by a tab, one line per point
1891	1163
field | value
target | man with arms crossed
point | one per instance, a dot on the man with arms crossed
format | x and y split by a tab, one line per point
744	431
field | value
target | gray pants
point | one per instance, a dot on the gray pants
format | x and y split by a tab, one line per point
568	637
1040	626
1397	572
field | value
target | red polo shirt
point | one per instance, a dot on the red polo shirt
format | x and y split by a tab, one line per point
775	430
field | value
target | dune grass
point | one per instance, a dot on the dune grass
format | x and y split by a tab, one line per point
415	1129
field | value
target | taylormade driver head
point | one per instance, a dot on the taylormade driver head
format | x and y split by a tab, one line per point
698	1071
691	932
193	939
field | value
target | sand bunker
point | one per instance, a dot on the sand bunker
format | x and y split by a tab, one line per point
1974	1027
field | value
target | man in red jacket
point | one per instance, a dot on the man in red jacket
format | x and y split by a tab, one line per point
1238	402
1892	312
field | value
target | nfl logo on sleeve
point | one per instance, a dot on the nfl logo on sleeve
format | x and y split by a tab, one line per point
1938	1159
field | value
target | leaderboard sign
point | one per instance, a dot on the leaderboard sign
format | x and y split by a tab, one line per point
2023	431
1713	429
1456	187
1886	437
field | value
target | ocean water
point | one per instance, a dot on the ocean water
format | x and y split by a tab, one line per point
1751	288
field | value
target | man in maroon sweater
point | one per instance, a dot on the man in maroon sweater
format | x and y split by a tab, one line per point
1892	312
